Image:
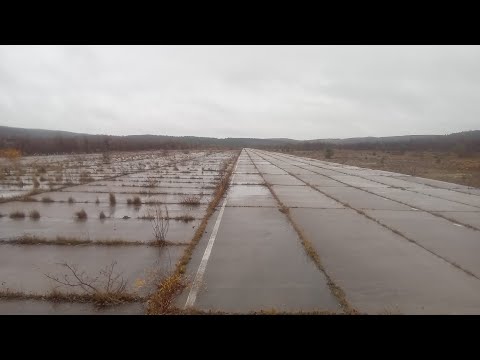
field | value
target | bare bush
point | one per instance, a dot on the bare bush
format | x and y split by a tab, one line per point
81	215
107	288
112	199
160	224
137	201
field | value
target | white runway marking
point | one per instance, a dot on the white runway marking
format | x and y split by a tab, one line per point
192	296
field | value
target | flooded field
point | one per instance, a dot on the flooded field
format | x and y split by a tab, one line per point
72	226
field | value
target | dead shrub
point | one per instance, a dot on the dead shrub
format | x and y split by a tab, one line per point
112	199
137	201
160	224
106	288
34	215
81	215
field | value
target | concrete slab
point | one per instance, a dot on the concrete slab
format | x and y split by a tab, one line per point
422	202
320	180
270	169
250	195
379	270
261	265
240	179
294	169
459	245
94	229
362	200
358	181
282	180
23	267
437	183
304	196
467	199
395	181
464	217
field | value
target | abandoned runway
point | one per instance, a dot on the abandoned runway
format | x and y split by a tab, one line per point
301	235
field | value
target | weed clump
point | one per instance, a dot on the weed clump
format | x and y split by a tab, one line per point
102	215
34	215
47	199
81	215
17	215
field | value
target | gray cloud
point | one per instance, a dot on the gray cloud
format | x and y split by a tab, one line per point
301	92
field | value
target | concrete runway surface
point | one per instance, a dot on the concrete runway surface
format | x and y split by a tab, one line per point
381	242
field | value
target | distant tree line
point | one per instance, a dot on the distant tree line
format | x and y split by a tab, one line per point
30	141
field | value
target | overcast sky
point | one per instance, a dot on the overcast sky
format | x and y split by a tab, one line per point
301	92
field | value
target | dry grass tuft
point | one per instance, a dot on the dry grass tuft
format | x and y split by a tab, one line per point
17	215
161	302
81	215
34	215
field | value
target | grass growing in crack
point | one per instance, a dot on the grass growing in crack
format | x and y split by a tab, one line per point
162	300
102	215
34	215
71	200
112	199
17	215
81	215
47	199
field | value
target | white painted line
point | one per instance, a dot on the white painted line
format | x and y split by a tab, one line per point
192	295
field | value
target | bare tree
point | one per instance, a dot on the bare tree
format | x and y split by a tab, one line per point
107	288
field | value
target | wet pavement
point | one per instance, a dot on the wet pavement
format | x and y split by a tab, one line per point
182	182
392	243
349	238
